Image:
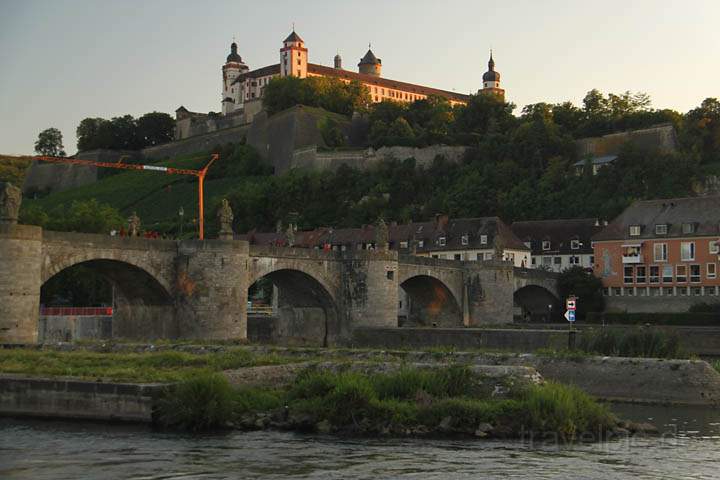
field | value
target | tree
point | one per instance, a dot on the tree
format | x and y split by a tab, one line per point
49	143
155	128
93	133
88	216
701	130
584	285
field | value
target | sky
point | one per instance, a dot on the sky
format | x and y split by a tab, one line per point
62	61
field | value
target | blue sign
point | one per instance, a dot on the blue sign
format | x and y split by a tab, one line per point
570	315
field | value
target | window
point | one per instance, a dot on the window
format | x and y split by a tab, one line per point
660	250
457	256
299	62
669	291
667	273
628	275
661	229
688	228
695	273
434	256
487	256
697	291
687	251
634	230
557	260
547	261
711	270
574	244
421	243
403	244
390	274
465	239
655	274
574	260
534	260
546	245
483	239
681	273
714	247
640	274
441	241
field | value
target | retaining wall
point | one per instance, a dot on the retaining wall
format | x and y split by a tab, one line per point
76	399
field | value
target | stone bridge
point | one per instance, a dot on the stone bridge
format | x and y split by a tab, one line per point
199	289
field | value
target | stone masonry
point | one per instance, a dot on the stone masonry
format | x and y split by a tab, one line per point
199	289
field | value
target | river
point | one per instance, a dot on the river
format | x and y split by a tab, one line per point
50	449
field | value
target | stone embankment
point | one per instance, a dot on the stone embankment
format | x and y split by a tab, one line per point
77	399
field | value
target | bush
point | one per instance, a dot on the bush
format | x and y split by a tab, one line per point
637	342
202	402
565	410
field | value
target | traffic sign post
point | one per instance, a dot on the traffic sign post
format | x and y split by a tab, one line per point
571	307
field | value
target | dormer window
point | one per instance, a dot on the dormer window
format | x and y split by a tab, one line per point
546	245
421	243
661	229
634	230
483	240
688	228
575	244
441	241
465	239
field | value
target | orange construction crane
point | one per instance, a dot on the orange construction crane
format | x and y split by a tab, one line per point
155	168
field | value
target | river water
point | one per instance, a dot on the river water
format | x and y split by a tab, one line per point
48	449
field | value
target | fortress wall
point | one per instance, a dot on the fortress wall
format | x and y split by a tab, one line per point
310	158
660	137
200	143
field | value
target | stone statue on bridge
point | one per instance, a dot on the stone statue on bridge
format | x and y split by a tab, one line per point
381	236
134	225
225	217
290	235
10	199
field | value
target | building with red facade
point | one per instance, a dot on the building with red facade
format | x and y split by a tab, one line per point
660	255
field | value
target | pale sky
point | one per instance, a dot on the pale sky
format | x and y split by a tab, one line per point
62	61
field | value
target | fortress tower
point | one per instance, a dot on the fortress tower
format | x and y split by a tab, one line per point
370	64
337	61
232	69
293	57
491	80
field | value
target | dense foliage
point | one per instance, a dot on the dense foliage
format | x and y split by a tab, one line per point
586	287
88	216
331	94
50	143
125	132
635	342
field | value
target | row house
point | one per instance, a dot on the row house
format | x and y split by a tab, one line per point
466	239
559	244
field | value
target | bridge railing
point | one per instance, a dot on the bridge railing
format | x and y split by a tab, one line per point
76	311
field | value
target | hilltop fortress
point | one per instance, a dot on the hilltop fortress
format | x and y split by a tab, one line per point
243	88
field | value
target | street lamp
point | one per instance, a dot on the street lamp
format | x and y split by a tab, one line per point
181	213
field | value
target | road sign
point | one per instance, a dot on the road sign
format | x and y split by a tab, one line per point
570	315
571	304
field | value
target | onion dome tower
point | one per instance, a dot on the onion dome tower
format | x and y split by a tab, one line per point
370	64
232	69
491	80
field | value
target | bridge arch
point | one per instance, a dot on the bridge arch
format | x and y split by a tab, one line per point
304	308
536	303
428	302
143	305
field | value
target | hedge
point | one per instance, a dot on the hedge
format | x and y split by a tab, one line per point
660	318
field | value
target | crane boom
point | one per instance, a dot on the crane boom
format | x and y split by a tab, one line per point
200	174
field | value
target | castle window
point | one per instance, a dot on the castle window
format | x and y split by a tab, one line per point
299	62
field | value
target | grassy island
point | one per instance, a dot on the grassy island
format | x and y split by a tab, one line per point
409	402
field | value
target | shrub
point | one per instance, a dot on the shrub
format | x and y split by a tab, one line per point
636	342
694	318
201	402
565	410
453	381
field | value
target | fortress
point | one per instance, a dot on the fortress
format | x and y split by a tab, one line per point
242	88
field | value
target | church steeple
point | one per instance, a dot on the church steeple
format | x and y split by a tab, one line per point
491	79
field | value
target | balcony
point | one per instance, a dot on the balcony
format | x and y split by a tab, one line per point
632	259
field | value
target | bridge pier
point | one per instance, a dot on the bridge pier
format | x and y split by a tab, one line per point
20	281
370	289
211	289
